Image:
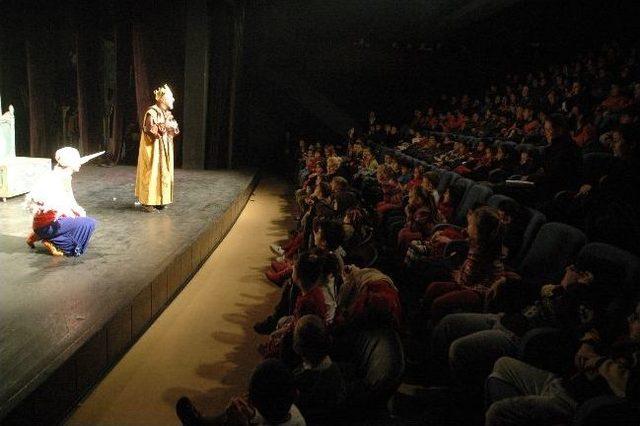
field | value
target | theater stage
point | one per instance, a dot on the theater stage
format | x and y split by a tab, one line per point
64	321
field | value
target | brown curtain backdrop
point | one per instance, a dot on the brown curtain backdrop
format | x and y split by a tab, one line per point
159	59
40	94
121	95
220	68
140	70
90	96
236	70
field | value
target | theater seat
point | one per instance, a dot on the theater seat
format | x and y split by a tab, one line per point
607	410
536	221
495	200
378	364
508	144
446	179
554	248
596	165
474	194
548	348
363	256
622	267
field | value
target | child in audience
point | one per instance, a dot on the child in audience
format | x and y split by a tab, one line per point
319	381
484	165
481	269
369	164
354	228
422	215
319	202
309	185
269	402
416	177
342	196
328	235
367	299
504	161
476	159
394	165
405	174
391	191
429	183
515	219
526	165
317	276
450	200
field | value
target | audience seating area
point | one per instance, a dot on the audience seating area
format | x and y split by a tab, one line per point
478	264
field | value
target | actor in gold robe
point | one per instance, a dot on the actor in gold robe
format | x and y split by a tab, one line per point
154	177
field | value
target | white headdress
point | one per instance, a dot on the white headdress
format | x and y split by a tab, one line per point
53	191
161	91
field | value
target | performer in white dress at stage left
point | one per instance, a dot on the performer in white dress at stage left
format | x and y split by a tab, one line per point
58	219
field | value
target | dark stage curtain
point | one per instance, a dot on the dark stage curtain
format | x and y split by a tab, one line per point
225	68
236	70
121	95
220	72
159	59
40	94
141	71
90	100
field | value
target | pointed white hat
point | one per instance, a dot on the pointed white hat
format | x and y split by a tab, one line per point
70	157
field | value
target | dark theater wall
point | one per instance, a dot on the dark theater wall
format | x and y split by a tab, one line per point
345	51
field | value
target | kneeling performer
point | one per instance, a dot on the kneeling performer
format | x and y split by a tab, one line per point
58	219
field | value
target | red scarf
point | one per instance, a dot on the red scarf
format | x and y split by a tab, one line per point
42	219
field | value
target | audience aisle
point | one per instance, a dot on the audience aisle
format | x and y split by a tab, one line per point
202	345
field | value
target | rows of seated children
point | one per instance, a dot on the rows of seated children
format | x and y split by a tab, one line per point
392	275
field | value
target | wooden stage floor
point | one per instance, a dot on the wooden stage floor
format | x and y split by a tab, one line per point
64	321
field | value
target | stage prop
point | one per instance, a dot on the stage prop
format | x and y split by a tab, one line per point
17	174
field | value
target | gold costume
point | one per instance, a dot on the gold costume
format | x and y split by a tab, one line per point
154	177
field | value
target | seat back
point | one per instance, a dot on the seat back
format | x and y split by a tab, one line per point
607	409
426	166
495	200
553	249
536	221
620	267
446	179
379	357
363	256
510	144
473	194
596	164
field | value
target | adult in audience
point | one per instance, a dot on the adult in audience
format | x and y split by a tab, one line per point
520	393
469	343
